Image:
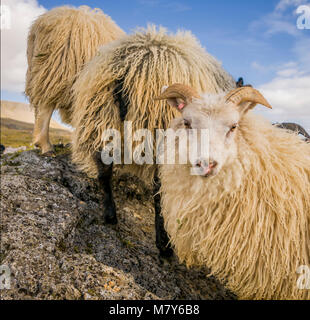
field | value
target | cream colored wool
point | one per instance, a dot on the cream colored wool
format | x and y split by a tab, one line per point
145	62
60	42
250	224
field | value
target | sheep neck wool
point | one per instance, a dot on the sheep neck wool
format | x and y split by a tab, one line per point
250	223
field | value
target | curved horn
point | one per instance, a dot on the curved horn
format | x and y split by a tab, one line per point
178	95
178	90
247	94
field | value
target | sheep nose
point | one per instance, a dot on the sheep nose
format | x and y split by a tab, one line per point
205	166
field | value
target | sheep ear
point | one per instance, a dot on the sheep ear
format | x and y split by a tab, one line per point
178	103
246	98
178	95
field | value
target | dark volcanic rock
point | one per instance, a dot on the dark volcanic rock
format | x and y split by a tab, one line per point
57	247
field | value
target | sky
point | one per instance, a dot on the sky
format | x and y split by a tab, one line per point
258	40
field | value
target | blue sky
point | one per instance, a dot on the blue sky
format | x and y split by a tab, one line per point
255	39
223	27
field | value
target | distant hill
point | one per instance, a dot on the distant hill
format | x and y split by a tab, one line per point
17	121
22	112
18	133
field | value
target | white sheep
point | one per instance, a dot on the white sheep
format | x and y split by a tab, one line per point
246	215
118	86
60	42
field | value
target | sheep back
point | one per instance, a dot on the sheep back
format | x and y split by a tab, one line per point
60	42
143	63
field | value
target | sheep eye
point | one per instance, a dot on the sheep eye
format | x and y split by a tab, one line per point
187	124
234	127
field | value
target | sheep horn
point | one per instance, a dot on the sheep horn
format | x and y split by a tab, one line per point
181	91
246	94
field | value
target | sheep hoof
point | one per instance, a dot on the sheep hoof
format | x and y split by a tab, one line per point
110	215
166	252
50	153
110	220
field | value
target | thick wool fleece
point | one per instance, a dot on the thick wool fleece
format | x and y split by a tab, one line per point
60	42
143	63
250	224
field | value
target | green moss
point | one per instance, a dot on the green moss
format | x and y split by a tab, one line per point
62	246
11	163
15	155
89	248
50	234
61	150
2	256
18	171
49	180
127	243
91	292
76	249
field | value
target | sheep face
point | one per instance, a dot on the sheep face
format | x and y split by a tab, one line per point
215	127
214	122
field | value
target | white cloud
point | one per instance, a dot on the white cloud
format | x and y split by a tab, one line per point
289	72
290	69
289	91
174	6
283	19
274	23
151	3
14	43
302	51
261	68
177	7
289	94
285	4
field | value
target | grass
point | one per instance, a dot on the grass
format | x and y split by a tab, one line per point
17	134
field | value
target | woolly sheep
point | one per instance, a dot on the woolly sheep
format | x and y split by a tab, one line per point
295	128
246	216
60	42
120	84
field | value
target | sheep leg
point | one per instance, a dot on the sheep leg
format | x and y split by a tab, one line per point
162	239
41	129
104	178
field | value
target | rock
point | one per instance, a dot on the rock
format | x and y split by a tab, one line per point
57	247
